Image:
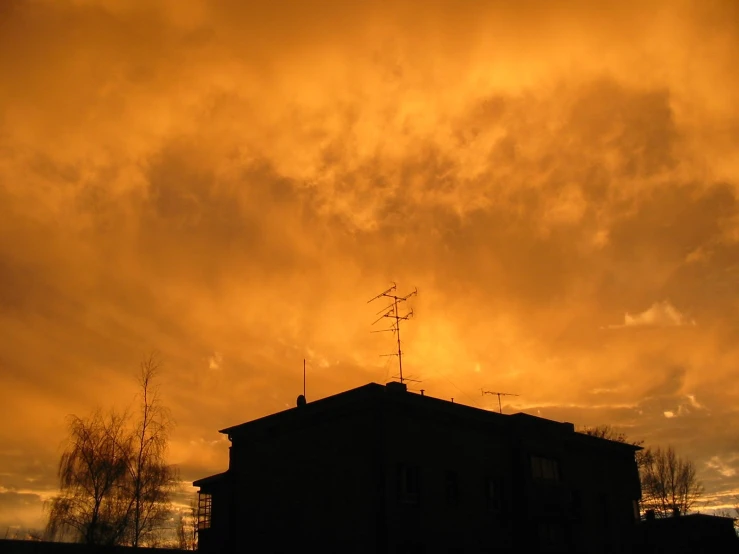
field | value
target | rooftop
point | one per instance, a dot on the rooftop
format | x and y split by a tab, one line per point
397	393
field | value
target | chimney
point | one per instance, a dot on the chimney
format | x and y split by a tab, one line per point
394	386
650	515
675	512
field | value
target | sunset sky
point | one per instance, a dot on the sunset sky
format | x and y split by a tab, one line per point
229	182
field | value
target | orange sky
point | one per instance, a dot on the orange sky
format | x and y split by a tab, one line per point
229	182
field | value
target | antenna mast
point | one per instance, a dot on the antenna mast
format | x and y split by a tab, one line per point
498	394
392	312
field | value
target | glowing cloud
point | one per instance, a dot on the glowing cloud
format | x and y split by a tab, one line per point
215	361
722	467
659	314
228	182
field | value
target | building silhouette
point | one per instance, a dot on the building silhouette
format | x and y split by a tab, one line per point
686	534
381	469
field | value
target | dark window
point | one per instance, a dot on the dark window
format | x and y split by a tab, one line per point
544	468
551	535
409	484
411	548
576	504
494	494
205	506
604	507
452	488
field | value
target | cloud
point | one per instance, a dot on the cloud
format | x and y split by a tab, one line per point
215	361
725	469
659	314
687	405
228	182
22	510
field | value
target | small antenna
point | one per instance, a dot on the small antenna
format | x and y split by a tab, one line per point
407	379
498	394
392	312
301	398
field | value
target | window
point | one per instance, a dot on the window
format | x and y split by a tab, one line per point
411	548
604	507
551	535
205	505
544	468
494	494
452	488
409	486
576	504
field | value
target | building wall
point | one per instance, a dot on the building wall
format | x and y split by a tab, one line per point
213	539
437	445
607	484
588	507
690	534
333	481
307	485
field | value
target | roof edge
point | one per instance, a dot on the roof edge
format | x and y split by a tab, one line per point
327	400
210	479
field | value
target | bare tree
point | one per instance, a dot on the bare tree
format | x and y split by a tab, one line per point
605	432
187	528
152	480
181	531
115	486
35	535
608	432
28	534
669	483
91	505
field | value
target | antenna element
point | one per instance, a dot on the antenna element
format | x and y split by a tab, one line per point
392	312
498	394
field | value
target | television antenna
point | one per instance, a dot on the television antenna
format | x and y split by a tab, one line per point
301	398
391	311
498	394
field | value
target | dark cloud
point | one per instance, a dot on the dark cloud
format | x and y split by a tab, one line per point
21	511
672	379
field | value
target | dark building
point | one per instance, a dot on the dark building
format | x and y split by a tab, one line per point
380	469
687	534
